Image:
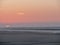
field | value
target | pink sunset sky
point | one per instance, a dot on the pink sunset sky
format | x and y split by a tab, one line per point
29	11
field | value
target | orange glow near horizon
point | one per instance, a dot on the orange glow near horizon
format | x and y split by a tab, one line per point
28	11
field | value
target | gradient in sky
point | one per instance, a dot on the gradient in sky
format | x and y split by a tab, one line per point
29	11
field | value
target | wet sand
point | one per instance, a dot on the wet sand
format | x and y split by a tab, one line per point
28	38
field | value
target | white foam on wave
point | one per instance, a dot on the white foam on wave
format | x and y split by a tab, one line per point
38	31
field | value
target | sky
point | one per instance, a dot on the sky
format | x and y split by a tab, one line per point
29	11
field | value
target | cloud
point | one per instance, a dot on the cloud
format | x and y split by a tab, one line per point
20	13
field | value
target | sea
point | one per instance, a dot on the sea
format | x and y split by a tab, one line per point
30	36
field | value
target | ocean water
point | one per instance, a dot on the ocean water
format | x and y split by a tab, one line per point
9	36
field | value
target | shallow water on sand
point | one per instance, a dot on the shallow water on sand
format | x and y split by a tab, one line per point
26	37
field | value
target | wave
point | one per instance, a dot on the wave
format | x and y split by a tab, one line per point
32	28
